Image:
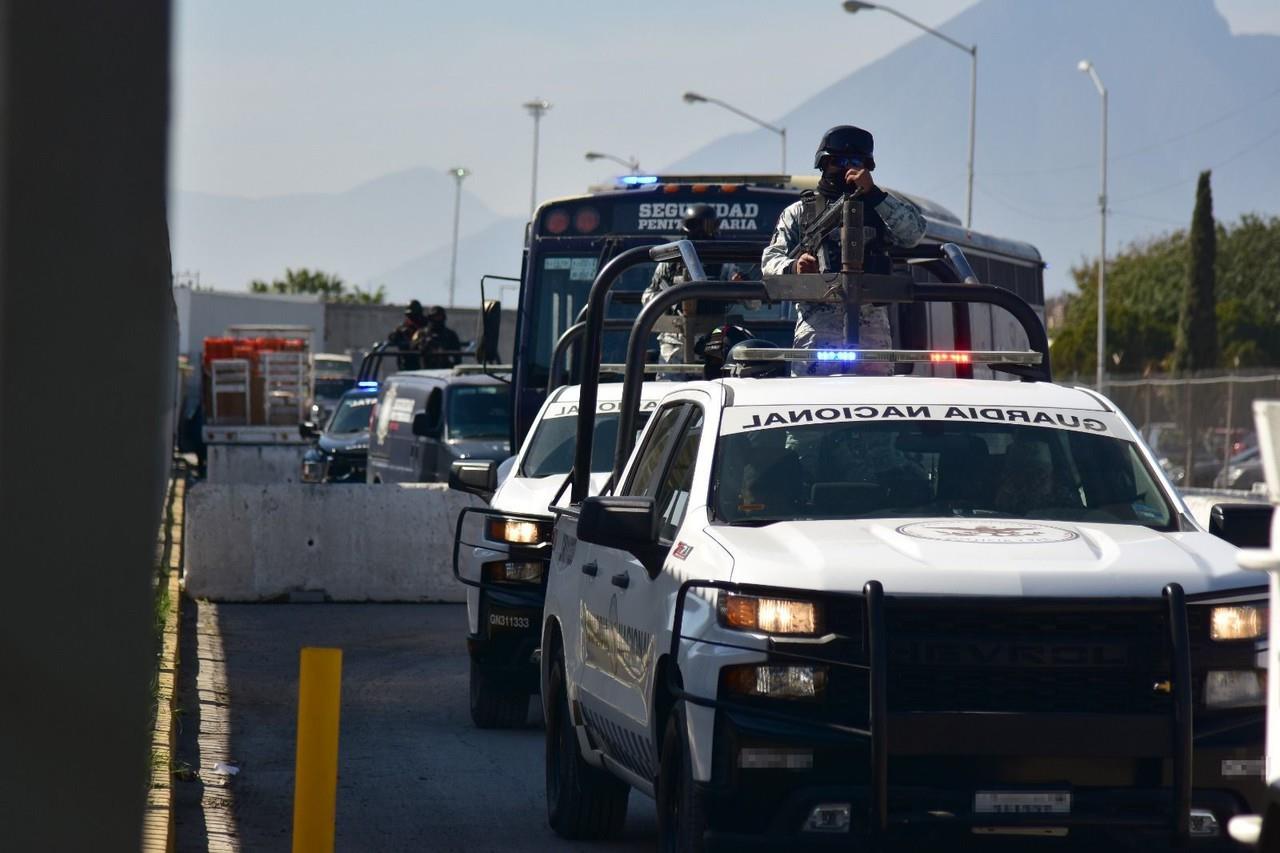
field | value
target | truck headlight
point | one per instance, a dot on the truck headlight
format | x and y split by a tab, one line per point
770	615
514	571
1238	622
776	682
516	531
1235	688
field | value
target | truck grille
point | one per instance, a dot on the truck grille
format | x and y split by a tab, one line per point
1027	656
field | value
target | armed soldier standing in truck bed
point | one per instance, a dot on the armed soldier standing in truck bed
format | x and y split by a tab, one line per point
845	158
698	222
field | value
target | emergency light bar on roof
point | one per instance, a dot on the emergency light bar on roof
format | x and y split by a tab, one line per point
887	356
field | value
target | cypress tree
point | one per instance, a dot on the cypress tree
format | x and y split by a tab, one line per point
1196	346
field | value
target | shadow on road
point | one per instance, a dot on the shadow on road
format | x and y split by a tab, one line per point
414	773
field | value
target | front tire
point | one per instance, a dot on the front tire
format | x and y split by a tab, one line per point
682	814
495	705
583	802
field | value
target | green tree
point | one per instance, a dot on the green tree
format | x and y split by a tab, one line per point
1196	345
1145	286
329	287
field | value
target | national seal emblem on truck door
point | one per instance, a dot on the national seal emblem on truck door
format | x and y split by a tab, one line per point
988	532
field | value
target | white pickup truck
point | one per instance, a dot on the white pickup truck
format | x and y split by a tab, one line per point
824	608
501	550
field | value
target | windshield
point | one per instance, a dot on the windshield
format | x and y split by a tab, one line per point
934	469
479	411
333	388
552	445
351	416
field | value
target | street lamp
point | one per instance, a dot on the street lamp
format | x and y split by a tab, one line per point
536	108
695	98
1087	67
852	6
458	173
631	162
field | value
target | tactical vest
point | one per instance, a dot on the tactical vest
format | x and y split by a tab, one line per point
876	259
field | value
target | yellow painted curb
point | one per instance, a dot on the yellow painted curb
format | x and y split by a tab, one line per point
157	826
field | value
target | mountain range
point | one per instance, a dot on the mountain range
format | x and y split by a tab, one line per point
1185	94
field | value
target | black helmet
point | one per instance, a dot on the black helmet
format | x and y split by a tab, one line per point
714	346
845	140
754	369
414	309
700	222
436	313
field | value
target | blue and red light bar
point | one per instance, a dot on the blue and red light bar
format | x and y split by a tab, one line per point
888	356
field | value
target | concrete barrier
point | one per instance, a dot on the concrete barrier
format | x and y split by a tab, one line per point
255	463
316	542
1202	501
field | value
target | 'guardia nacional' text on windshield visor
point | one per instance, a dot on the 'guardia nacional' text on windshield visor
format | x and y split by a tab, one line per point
739	419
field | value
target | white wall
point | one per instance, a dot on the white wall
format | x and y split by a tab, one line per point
208	313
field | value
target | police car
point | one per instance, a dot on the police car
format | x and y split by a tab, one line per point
817	608
500	551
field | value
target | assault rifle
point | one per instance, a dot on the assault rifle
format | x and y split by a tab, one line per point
846	214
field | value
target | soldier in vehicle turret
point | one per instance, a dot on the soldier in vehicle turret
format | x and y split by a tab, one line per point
846	159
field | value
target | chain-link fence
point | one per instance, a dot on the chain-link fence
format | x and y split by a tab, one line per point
1199	426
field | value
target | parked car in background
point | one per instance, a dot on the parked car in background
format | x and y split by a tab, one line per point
1168	441
341	448
1244	471
425	420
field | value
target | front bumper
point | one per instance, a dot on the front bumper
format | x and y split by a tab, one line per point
1114	767
1127	761
509	634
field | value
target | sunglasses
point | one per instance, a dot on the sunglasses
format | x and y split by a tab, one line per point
848	162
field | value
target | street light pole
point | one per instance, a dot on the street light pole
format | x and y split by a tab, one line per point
695	98
852	6
630	163
458	173
1087	67
537	107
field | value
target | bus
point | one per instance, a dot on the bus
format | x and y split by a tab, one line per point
570	239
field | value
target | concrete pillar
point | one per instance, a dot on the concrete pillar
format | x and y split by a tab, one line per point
87	336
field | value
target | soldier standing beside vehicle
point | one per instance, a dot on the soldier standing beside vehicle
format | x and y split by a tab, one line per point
846	159
699	222
439	344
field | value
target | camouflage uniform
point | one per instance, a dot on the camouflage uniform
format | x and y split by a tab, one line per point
671	344
897	221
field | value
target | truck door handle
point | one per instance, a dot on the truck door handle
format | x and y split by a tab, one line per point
590	569
621	579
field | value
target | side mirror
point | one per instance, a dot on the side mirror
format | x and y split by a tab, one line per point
1243	525
490	326
476	477
308	430
625	522
425	427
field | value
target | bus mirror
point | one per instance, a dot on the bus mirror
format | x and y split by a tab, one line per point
489	327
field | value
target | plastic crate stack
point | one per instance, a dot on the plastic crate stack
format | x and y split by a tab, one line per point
255	381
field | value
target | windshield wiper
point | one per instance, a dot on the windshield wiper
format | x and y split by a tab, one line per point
756	522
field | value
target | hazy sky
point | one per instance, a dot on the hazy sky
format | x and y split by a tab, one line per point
296	96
